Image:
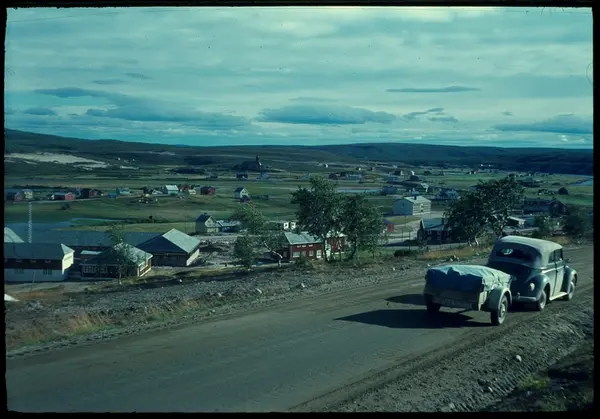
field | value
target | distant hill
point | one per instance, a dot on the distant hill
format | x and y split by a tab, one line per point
517	159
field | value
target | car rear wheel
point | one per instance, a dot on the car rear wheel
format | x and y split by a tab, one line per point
541	303
497	316
570	293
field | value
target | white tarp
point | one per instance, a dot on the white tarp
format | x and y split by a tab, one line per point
466	277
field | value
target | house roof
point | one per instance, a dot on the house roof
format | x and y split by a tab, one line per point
63	193
53	251
88	238
171	187
510	217
11	237
240	189
302	238
418	199
229	223
203	218
173	241
433	224
134	255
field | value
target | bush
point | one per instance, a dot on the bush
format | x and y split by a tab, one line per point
405	253
304	262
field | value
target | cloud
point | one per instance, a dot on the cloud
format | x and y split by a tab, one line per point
138	76
109	81
40	111
147	110
443	119
448	89
507	113
413	115
560	124
311	99
323	115
336	63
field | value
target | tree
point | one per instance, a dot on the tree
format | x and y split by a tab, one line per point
544	226
464	220
576	222
259	234
245	250
320	209
362	224
120	252
488	206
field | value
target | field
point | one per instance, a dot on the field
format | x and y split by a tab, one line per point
181	212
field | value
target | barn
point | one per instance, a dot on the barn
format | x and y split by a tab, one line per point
413	205
173	248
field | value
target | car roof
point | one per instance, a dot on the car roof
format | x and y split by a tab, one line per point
542	246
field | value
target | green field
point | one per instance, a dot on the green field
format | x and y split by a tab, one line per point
183	211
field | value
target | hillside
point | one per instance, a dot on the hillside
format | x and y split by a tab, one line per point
518	159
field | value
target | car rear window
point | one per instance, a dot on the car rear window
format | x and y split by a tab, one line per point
507	252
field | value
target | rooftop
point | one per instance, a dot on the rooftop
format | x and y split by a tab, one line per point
134	255
53	251
11	237
173	241
300	238
88	238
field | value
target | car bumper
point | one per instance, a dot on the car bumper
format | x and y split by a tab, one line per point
520	298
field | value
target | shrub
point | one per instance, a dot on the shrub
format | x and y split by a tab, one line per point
404	253
304	262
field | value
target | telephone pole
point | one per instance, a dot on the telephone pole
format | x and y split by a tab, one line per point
30	224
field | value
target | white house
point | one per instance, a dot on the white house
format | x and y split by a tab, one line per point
39	262
411	205
170	189
241	193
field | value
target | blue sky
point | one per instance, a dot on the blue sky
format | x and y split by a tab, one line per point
510	77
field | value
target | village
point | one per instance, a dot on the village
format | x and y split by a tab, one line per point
79	255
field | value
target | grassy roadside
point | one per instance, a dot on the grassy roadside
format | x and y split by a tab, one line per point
566	386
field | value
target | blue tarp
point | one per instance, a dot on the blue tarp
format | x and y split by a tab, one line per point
466	278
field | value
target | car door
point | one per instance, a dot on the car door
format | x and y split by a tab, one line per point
550	272
560	271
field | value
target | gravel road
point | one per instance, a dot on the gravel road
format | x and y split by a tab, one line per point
356	340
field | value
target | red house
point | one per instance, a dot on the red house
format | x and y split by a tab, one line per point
208	190
308	246
89	193
64	196
388	226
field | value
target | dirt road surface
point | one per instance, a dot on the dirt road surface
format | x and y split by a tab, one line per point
310	354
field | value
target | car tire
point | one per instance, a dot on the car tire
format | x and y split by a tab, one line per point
541	303
433	307
570	293
497	316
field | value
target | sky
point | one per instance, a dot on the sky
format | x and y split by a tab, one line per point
476	76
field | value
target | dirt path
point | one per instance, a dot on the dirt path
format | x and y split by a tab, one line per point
323	348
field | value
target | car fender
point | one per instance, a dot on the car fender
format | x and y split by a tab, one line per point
493	300
540	282
570	273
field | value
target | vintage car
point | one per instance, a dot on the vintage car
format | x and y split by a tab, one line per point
469	287
540	270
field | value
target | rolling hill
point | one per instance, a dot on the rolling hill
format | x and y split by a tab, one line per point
551	160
